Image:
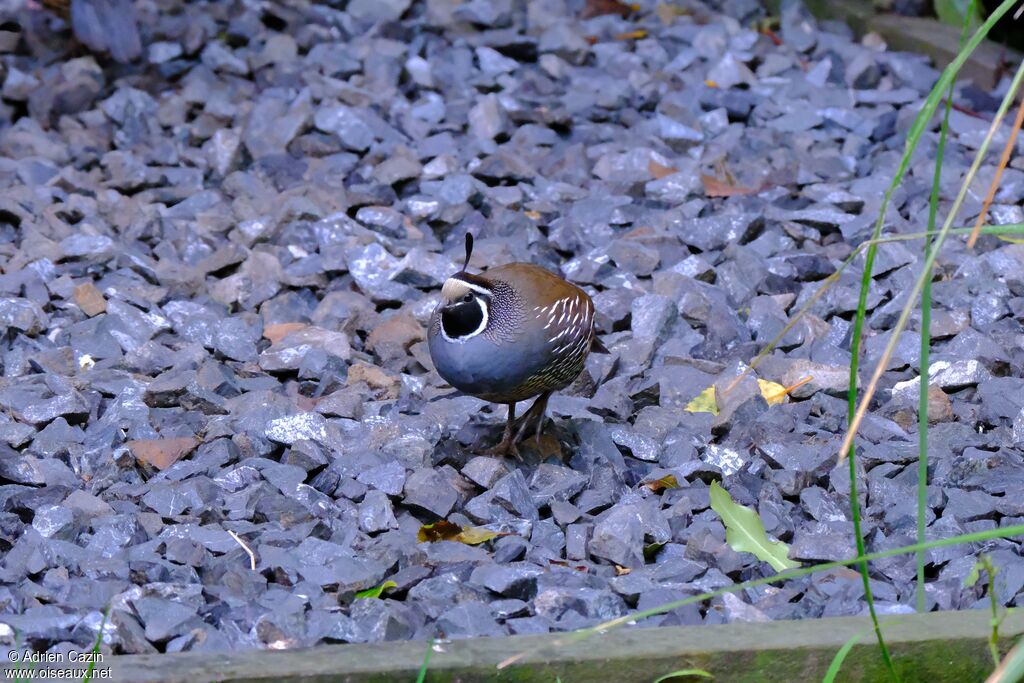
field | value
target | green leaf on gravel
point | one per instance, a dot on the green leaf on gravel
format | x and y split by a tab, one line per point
377	591
744	531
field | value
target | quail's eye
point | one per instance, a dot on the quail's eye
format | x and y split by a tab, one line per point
467	298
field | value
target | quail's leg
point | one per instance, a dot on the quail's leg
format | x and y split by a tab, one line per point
534	416
508	444
542	402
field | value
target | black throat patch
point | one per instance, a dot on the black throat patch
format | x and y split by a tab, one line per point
461	319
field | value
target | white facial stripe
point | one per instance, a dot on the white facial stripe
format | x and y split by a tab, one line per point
454	288
476	288
480	328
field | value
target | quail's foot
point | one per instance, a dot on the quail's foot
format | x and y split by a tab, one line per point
516	430
506	448
509	438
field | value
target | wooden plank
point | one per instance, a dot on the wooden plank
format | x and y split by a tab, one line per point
949	646
915	34
939	41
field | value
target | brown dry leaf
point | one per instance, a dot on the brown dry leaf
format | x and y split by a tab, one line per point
279	331
393	337
772	35
621	571
532	215
162	453
596	8
667	482
659	171
713	187
89	299
940	408
563	563
386	386
438	531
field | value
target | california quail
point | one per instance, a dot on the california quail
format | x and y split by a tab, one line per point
102	25
509	334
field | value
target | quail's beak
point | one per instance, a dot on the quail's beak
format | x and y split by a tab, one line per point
454	305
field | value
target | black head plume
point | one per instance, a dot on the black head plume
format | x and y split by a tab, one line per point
469	250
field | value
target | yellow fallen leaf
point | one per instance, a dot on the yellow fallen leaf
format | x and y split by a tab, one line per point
475	535
639	34
776	393
533	215
772	392
668	13
710	83
447	531
705	402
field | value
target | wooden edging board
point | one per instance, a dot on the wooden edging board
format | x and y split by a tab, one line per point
935	647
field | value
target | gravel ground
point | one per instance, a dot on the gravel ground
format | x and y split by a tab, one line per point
218	262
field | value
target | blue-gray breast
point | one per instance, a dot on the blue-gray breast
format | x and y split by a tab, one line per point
509	334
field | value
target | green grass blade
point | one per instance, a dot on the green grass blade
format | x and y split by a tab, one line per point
957	12
422	676
1011	669
913	138
788	575
837	661
699	673
901	322
859	538
926	326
